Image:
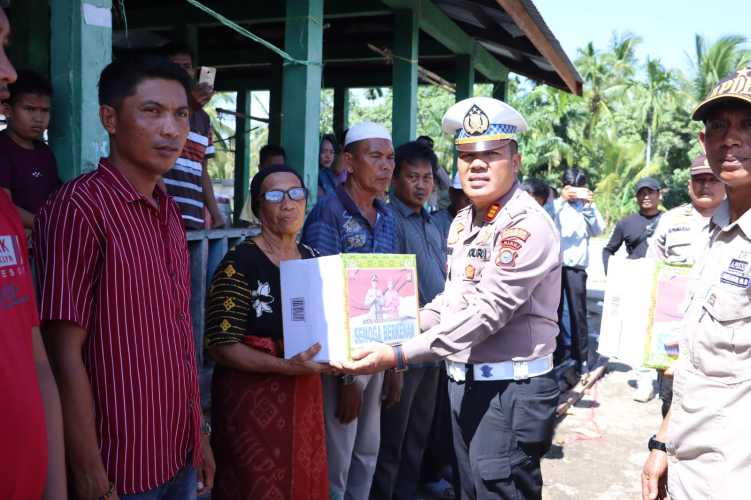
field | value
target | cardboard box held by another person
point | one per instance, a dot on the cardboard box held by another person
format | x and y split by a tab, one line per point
347	301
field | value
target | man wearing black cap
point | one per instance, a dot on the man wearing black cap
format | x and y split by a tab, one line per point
703	431
636	229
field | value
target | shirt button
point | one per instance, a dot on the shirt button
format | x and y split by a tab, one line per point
173	274
180	316
190	403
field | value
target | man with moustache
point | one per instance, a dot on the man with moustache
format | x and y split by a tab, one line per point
355	220
407	411
700	442
114	279
497	319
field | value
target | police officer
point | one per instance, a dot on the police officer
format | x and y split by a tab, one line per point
702	434
496	321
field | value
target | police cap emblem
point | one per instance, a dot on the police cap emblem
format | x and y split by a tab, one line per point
475	122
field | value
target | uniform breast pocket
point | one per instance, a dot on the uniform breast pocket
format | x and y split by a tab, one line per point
723	343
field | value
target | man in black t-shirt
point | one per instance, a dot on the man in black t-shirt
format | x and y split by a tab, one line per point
636	229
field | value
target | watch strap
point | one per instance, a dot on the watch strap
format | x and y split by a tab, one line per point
654	444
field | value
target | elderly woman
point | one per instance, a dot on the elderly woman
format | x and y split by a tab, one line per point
267	412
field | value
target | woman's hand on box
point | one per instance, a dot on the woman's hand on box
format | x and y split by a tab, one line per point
303	364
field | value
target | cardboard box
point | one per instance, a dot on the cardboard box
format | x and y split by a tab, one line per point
347	301
643	310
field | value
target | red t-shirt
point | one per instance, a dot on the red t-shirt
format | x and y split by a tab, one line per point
23	435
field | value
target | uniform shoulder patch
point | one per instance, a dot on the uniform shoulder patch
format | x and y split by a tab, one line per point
515	233
506	258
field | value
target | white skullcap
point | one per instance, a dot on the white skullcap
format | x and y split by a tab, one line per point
366	130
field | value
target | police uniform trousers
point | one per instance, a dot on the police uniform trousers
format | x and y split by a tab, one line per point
352	449
501	430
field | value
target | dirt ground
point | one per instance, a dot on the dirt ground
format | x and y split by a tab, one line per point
601	444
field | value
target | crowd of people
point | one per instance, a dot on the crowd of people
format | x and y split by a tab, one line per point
99	360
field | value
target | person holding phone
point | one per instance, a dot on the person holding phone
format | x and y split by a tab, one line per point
578	219
188	181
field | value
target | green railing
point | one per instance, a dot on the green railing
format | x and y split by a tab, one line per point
207	248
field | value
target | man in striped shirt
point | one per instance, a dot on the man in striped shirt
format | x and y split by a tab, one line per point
115	300
188	182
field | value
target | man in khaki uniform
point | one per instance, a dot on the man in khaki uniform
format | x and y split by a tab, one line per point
681	236
496	321
703	434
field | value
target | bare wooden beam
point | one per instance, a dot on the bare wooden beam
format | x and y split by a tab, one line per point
521	16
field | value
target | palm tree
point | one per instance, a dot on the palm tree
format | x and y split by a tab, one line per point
656	94
713	62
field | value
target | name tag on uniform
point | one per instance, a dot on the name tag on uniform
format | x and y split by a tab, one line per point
479	253
735	280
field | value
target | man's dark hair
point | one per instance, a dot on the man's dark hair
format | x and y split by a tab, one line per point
29	82
175	49
536	187
121	77
270	150
574	177
413	152
427	140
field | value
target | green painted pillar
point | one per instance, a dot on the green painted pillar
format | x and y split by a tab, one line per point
465	76
301	88
81	48
500	90
341	110
275	103
31	35
242	153
404	111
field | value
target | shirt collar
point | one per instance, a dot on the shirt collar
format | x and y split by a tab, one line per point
721	219
123	187
404	210
351	207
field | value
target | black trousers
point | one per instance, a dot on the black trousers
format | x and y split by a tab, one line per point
405	428
440	451
501	431
574	288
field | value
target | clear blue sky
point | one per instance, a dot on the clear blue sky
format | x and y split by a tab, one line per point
667	27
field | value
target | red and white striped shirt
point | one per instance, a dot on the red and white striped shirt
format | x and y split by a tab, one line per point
117	266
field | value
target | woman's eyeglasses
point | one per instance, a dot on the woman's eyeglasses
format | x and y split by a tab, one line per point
294	194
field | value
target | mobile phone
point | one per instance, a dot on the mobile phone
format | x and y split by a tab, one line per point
206	74
581	192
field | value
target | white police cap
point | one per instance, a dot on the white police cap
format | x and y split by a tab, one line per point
482	123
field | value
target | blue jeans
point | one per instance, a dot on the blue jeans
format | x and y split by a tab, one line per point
181	487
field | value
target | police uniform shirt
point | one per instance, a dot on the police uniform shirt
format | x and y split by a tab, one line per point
712	387
680	236
502	291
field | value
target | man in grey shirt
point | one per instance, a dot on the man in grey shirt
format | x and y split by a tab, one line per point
406	418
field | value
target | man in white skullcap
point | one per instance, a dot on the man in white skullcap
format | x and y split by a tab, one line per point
354	219
497	320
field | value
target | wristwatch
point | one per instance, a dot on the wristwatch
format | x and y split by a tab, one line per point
401	359
205	428
654	444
